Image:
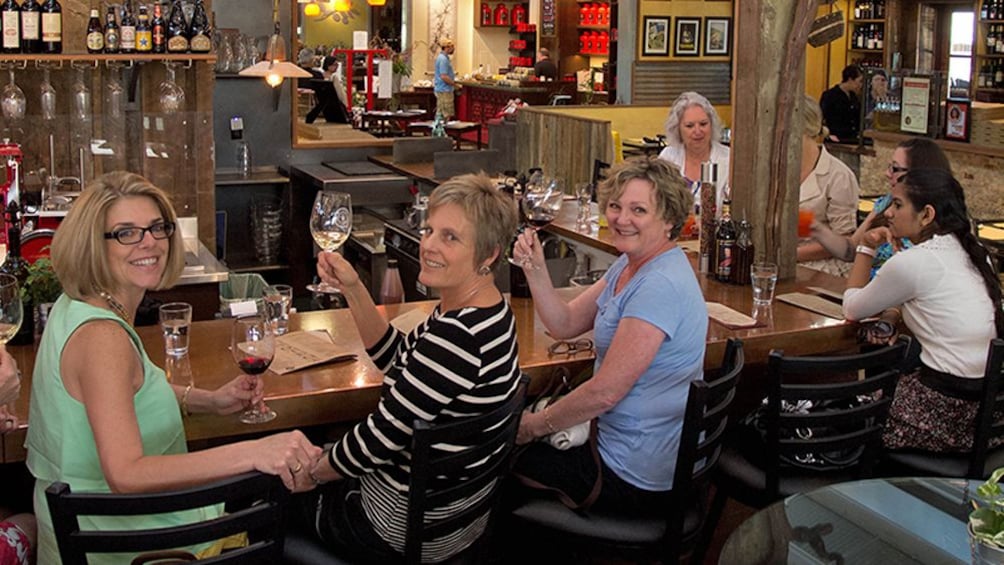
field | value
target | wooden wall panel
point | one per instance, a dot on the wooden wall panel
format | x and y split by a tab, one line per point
661	83
562	145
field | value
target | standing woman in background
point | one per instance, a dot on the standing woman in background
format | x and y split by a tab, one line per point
693	131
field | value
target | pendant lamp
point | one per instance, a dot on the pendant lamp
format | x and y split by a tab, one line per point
343	5
275	68
376	2
312	9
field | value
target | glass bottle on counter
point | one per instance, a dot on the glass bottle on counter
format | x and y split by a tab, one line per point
17	266
743	255
391	289
158	30
199	37
31	27
144	35
113	36
52	27
725	243
177	29
10	15
128	26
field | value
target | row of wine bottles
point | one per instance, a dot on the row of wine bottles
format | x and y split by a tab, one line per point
37	27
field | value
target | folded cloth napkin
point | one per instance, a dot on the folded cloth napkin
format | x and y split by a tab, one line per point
564	439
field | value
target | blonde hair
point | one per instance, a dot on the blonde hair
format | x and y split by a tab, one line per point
79	252
672	196
812	118
491	212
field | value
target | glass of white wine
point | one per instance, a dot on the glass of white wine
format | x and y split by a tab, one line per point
11	312
330	226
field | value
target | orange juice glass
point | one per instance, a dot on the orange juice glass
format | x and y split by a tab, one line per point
688	228
805	218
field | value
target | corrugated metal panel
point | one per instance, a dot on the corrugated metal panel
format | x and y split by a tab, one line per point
661	83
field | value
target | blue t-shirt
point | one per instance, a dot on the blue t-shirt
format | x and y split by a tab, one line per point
640	436
443	67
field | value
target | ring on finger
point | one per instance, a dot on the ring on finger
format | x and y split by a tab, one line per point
297	469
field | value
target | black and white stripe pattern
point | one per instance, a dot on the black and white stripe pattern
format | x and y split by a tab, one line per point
454	365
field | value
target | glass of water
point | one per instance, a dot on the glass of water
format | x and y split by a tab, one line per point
278	299
763	276
175	319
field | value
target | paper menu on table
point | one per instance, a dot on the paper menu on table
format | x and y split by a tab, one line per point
728	317
409	320
299	350
813	303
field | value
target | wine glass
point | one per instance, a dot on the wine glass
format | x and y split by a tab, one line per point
12	100
172	96
113	103
253	347
540	204
11	312
330	226
48	96
81	97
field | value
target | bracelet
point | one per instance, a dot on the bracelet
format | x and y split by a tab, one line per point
865	250
184	400
547	421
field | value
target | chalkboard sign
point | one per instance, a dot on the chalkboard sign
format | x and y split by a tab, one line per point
548	17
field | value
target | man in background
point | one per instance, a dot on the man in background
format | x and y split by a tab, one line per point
841	106
444	82
545	67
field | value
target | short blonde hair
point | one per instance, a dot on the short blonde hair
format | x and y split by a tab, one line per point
682	103
812	118
672	196
491	212
79	253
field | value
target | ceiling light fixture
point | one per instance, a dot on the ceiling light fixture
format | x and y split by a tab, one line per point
275	68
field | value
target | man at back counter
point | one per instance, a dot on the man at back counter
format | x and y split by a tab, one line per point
842	107
545	66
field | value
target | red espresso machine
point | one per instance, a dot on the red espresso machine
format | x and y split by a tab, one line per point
10	190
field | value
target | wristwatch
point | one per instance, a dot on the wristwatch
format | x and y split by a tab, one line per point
864	249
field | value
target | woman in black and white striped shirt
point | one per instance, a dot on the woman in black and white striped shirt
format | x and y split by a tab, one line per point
458	363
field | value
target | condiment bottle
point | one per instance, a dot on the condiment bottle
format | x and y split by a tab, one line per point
707	195
725	243
391	289
743	254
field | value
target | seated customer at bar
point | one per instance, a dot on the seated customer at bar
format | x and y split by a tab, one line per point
462	361
103	417
828	189
650	323
950	297
693	131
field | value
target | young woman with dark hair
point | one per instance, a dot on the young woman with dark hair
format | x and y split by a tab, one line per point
949	296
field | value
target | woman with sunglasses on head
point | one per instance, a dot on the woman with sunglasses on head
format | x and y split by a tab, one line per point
650	323
950	297
103	417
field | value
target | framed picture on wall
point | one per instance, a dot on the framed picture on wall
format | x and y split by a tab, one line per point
688	37
957	116
717	36
656	38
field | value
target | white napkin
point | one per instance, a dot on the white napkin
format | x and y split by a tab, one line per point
572	437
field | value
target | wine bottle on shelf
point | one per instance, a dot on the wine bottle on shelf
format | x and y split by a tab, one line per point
725	243
10	16
199	34
144	34
52	27
17	266
95	38
391	288
113	34
128	29
31	27
177	29
158	30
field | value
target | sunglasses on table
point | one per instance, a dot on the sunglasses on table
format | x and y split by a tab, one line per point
134	235
562	347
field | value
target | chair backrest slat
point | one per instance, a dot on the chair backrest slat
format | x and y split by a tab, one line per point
991	402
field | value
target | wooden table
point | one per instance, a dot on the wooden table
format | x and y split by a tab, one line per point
347	392
424	171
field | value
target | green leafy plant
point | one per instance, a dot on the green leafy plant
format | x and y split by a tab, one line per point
987	521
42	286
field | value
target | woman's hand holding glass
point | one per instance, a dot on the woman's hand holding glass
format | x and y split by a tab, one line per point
288	455
335	271
527	252
243	391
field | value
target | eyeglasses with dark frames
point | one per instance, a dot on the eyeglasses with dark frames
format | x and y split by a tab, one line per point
562	347
896	169
134	235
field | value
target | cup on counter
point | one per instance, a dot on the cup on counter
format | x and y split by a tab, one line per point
583	197
805	218
175	319
278	300
763	277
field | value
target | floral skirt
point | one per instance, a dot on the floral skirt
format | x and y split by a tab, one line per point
926	419
14	545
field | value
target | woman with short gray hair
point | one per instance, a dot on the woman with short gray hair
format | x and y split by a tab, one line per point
693	131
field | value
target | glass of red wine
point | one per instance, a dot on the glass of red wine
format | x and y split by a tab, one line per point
540	205
253	346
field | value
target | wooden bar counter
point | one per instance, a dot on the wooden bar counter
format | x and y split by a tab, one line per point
345	392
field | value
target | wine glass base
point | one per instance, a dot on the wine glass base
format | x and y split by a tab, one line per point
323	289
255	416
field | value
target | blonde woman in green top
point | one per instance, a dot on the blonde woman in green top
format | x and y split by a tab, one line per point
103	416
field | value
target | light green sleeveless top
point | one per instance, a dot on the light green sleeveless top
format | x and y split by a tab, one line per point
61	444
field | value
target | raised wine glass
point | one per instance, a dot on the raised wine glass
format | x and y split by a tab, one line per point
330	226
541	203
11	312
253	347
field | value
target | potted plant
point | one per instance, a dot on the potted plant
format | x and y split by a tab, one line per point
986	521
42	288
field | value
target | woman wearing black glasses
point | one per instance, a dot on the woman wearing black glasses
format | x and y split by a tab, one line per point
103	416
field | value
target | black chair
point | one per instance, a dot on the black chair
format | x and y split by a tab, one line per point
426	465
662	537
263	520
851	423
982	460
599	171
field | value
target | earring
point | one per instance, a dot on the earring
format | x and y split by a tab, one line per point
484	270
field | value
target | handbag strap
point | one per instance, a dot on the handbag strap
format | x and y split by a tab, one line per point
594	493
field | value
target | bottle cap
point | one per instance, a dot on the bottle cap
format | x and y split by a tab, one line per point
391	263
709	172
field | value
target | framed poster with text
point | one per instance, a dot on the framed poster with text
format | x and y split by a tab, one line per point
548	17
914	110
957	119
